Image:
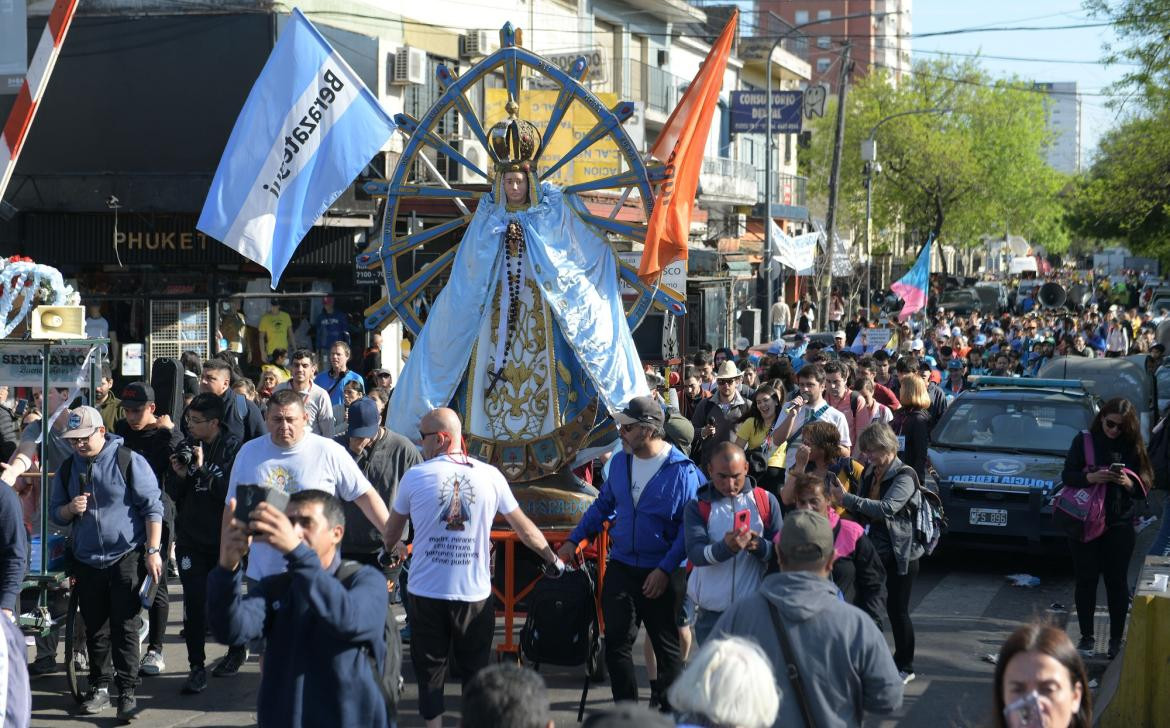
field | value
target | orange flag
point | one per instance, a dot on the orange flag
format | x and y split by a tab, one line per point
680	146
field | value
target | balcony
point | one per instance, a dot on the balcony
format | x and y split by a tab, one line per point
789	195
658	88
728	181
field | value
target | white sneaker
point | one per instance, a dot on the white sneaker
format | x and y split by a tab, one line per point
906	677
152	663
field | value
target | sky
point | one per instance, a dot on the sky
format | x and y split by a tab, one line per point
1083	45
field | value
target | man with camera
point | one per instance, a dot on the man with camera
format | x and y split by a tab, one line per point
110	497
324	618
198	483
292	459
153	438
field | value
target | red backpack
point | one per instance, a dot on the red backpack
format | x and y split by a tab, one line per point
763	505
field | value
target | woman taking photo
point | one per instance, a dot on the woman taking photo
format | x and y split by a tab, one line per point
887	486
1041	681
819	455
1121	463
911	423
765	460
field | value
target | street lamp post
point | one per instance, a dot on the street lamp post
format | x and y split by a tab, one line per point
767	312
872	169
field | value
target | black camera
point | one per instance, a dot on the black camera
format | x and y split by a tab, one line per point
248	497
185	453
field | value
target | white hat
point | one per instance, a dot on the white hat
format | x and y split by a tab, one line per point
83	422
727	370
917	345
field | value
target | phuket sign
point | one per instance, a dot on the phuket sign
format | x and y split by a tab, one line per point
749	112
20	366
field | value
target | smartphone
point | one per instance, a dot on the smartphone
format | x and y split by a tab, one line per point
1116	467
249	496
21	407
743	520
146	592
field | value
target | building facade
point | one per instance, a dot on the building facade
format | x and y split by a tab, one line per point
1062	106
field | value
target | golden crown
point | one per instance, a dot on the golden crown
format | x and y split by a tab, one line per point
515	141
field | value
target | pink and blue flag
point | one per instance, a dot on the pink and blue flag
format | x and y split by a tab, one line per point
913	286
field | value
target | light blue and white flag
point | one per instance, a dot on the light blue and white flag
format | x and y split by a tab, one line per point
307	130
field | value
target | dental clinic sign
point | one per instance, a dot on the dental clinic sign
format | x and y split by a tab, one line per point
749	112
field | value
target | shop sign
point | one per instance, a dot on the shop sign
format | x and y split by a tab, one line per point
20	366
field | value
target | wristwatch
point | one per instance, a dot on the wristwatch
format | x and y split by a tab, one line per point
151	550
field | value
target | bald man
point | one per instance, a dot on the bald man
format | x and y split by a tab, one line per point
729	530
451	501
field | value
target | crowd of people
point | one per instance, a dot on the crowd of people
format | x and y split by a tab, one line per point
761	502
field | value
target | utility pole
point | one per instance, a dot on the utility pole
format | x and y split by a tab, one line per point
834	180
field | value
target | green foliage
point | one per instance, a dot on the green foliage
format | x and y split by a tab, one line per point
1143	29
977	170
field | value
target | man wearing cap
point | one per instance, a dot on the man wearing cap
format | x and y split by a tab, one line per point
956	378
383	456
198	482
331	326
716	417
845	666
644	500
154	438
114	520
839	341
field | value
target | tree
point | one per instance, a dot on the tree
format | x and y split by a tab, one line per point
978	169
1143	27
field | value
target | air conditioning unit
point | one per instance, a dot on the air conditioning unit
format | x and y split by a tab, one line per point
408	66
479	43
663	58
478	156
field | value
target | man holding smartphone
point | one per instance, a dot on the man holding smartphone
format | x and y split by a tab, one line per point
109	495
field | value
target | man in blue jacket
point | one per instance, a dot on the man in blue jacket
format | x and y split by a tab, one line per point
650	483
109	497
321	627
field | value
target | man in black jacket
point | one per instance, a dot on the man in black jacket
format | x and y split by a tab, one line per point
857	569
383	457
198	483
241	416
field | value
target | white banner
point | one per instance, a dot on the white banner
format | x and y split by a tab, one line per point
20	366
873	339
797	253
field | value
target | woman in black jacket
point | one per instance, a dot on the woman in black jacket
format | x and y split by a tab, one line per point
1117	439
911	423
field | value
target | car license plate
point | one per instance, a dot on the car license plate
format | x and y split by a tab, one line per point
988	517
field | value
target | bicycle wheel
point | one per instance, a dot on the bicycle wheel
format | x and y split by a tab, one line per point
70	648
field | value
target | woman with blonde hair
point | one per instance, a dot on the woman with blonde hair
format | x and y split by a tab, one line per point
911	423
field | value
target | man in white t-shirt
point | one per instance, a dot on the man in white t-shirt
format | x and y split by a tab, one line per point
451	501
318	406
809	406
291	459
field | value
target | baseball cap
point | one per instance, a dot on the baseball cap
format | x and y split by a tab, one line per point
806	537
980	340
327	300
628	715
138	393
83	422
643	411
838	334
917	345
955	364
362	416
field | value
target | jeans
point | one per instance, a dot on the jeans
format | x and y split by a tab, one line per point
898	588
1161	545
440	628
778	331
109	605
704	623
1105	556
624	606
194	566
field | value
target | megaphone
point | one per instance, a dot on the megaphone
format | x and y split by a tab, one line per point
58	322
1052	295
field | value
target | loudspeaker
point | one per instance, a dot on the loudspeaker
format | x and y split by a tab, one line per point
656	339
749	324
57	322
1052	295
166	379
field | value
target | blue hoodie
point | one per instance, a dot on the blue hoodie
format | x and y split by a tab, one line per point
650	535
115	522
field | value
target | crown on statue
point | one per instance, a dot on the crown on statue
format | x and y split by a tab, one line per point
515	141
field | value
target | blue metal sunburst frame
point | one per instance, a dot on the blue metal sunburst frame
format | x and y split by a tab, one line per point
401	295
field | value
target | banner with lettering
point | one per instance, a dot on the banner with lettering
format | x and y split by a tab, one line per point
20	366
307	130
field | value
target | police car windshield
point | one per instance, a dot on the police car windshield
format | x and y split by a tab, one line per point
1003	424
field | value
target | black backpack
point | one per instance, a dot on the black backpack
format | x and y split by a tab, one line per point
389	678
561	626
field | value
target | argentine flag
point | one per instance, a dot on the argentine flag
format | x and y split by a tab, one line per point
307	130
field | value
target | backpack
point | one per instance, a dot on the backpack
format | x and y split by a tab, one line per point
1159	452
562	627
763	505
389	677
928	516
125	457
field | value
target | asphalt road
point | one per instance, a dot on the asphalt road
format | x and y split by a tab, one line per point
963	608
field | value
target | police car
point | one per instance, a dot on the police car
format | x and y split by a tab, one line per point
996	458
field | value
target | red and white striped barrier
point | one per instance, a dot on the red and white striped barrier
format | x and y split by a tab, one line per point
29	98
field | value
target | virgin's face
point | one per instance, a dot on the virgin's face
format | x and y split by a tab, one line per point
516	187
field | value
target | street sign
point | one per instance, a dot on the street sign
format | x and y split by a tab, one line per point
367	276
749	112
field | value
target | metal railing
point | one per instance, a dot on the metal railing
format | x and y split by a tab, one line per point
787	189
659	88
729	178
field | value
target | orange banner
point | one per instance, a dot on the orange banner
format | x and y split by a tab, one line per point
680	146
